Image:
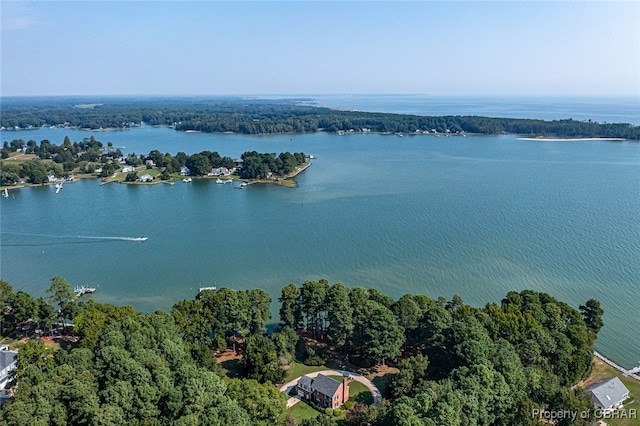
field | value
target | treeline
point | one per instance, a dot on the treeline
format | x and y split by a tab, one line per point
275	117
262	166
458	364
126	368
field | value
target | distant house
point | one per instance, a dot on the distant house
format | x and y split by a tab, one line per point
220	171
146	178
184	171
323	390
7	364
149	163
608	394
128	169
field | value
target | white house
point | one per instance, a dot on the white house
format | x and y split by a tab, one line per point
608	394
220	171
184	171
7	364
128	169
146	178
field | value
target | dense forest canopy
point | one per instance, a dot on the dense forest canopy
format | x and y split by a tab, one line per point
255	116
457	364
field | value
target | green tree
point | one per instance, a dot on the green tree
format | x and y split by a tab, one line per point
198	165
61	292
6	290
382	338
339	314
313	295
259	306
260	360
264	403
412	377
33	353
131	177
290	309
592	315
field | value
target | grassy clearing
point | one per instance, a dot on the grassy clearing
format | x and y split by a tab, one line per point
18	158
359	393
601	371
299	369
302	411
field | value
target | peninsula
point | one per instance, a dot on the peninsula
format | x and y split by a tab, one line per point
261	116
47	163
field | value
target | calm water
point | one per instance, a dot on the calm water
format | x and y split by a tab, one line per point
476	216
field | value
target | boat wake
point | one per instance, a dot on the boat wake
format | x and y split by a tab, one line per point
86	237
70	238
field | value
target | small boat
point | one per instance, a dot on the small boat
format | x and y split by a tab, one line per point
243	185
219	181
228	181
5	193
141	239
187	180
82	290
207	288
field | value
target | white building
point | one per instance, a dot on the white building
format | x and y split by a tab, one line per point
608	394
7	364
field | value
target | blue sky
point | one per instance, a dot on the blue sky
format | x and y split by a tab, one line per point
330	47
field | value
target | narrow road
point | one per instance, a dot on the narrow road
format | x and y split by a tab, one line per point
377	397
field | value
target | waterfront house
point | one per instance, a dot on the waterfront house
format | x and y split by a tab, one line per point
220	171
146	178
608	394
128	169
184	171
150	163
323	390
7	364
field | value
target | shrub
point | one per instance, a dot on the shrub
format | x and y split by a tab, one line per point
328	411
349	405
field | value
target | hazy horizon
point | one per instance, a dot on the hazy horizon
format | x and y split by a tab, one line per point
257	49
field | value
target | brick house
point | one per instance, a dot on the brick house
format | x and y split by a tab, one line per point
323	390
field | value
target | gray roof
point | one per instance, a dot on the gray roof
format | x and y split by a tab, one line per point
305	381
608	392
7	358
325	385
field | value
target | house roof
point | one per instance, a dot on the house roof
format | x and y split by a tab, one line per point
608	392
305	381
7	358
325	385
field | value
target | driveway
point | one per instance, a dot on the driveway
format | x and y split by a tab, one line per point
377	397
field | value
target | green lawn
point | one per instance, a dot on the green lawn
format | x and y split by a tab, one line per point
603	371
302	411
357	391
298	369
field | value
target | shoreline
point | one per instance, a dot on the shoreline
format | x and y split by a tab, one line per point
560	139
280	181
520	136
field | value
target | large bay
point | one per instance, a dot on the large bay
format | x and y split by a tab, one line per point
476	216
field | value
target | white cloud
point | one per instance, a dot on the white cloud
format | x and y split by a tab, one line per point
17	16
